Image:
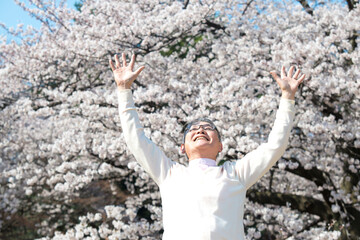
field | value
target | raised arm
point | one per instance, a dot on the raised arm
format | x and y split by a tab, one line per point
255	164
150	157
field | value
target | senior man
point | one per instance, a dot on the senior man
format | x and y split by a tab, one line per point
202	200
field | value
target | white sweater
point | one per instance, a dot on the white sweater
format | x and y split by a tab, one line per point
203	203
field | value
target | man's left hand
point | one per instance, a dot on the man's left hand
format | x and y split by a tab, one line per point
288	83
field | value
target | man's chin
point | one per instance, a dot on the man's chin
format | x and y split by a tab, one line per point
204	143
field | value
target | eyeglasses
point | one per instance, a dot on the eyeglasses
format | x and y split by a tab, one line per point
206	127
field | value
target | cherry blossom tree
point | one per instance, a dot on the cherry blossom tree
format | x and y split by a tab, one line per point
65	170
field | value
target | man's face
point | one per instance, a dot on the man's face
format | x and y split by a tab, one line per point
203	139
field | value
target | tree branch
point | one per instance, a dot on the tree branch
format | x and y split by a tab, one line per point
306	7
186	3
351	4
296	202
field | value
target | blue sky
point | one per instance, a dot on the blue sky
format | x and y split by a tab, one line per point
11	15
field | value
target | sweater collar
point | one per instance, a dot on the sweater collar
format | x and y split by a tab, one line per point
202	162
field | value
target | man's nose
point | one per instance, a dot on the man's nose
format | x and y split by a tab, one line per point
200	130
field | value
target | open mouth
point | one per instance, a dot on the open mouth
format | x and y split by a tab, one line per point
198	138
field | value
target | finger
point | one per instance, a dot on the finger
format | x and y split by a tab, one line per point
291	70
275	76
123	59
117	61
132	62
138	71
301	79
283	74
296	74
112	65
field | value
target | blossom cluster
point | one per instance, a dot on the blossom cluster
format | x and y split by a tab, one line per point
62	151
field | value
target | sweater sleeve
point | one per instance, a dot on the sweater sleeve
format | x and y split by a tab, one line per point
256	163
147	154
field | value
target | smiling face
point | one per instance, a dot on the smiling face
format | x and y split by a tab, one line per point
201	141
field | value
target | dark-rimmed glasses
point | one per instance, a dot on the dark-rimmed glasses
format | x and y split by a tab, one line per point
206	127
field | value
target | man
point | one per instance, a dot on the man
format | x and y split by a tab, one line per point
203	201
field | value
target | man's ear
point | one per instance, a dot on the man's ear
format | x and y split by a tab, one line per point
221	147
182	148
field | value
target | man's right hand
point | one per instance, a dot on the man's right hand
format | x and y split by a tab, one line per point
124	75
